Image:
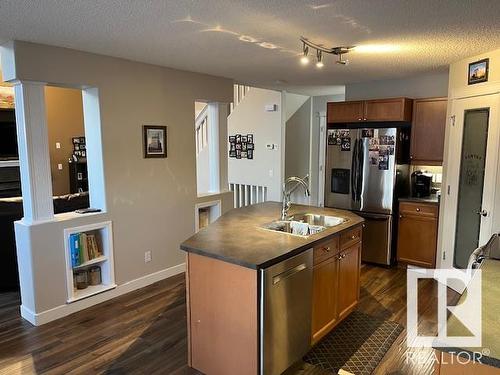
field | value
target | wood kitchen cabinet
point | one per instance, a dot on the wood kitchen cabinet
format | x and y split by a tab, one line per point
341	112
417	234
335	281
427	133
348	285
377	110
324	309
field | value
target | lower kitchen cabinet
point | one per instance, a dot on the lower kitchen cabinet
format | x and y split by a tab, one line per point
417	234
335	281
348	286
324	313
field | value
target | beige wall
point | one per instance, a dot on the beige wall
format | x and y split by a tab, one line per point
150	201
426	85
297	147
64	120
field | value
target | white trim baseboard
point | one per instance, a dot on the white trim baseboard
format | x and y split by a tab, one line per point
61	311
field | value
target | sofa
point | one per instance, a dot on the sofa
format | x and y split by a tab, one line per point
11	209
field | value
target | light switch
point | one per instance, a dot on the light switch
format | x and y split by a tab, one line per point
58	145
59	166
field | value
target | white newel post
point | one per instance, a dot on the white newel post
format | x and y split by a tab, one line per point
34	159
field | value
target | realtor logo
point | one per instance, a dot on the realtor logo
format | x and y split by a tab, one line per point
468	312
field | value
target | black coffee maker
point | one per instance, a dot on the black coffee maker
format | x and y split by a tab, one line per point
421	184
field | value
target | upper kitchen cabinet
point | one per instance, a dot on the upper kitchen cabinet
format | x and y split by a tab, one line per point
341	112
427	134
396	109
378	110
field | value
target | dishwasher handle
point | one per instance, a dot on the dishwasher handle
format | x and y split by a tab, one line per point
288	273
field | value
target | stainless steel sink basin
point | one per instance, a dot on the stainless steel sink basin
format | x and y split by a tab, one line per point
304	224
314	219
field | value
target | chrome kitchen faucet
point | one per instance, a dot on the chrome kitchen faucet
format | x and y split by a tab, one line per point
286	193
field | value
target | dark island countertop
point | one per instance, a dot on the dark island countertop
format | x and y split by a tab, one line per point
432	199
236	237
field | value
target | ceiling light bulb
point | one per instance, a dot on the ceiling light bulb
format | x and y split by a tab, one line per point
304	60
319	55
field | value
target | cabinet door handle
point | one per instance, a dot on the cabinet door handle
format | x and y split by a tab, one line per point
354	237
326	249
418	209
360	119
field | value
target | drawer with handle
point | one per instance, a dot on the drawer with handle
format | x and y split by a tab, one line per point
326	250
420	209
350	237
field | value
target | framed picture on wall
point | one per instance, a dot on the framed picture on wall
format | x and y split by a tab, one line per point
155	141
478	71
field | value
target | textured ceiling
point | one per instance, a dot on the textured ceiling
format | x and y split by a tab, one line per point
256	41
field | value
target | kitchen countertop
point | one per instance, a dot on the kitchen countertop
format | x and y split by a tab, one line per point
433	199
236	237
490	290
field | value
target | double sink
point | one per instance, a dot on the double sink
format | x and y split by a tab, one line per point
304	224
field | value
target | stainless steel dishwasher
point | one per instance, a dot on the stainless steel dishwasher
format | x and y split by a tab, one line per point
285	313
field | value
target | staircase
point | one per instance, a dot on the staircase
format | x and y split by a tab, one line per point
201	130
239	92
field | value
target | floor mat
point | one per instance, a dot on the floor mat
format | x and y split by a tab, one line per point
356	345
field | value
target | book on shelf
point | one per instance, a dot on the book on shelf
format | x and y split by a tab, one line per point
74	246
83	248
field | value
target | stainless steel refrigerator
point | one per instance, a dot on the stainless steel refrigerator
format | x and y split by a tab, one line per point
366	170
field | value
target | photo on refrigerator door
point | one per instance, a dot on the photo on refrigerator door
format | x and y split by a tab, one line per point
333	137
345	144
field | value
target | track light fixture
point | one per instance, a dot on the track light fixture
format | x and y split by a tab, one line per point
338	51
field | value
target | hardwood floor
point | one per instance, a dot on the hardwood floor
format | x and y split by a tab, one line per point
144	332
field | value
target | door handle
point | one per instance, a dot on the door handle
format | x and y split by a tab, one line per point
289	273
482	213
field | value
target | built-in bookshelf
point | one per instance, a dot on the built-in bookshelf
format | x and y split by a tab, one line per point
88	247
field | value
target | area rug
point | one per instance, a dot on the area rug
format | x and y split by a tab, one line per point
356	345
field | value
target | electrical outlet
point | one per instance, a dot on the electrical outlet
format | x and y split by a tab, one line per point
60	166
147	256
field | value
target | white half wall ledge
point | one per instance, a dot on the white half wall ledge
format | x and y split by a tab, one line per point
59	312
8	61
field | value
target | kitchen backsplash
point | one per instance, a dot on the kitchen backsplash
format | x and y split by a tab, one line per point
436	171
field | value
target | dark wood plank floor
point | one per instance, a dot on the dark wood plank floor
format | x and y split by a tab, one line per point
144	332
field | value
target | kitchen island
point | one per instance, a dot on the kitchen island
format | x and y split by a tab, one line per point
258	298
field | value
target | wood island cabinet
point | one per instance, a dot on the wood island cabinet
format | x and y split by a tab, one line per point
427	133
417	234
335	281
348	287
377	110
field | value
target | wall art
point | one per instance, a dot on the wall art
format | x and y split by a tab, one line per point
241	146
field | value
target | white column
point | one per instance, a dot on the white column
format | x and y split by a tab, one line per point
322	158
223	149
213	147
34	159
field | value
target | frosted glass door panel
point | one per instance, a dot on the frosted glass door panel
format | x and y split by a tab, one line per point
471	183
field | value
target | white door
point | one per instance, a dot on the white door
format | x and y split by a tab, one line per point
470	182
